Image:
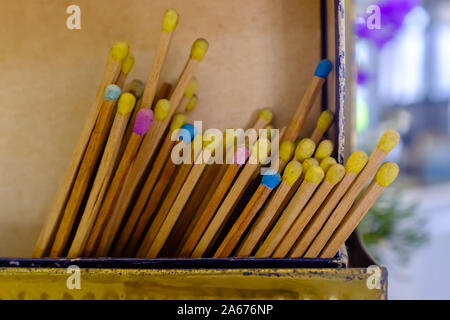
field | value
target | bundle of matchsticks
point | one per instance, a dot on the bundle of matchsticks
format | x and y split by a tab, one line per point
123	195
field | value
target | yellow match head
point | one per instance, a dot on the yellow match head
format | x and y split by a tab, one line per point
314	175
178	120
324	149
305	149
119	51
356	162
162	109
126	104
191	87
327	163
286	150
266	114
127	64
269	128
261	150
388	141
309	163
170	20
335	173
211	141
199	49
387	173
192	104
325	120
292	172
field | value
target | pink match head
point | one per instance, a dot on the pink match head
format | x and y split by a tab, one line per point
144	120
241	155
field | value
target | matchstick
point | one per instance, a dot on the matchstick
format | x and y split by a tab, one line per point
312	92
115	57
124	108
324	150
269	182
127	65
88	164
183	195
313	177
353	167
189	138
143	122
270	212
240	158
188	101
332	177
153	137
387	173
323	124
387	142
327	163
178	121
161	111
258	156
169	23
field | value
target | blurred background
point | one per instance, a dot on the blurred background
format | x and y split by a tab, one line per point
403	62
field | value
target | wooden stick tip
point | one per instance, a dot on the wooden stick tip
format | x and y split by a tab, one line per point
199	49
126	103
356	162
388	141
387	174
292	172
162	109
325	120
112	92
305	149
170	20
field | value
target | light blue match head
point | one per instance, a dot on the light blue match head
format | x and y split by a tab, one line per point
323	69
188	132
271	179
112	92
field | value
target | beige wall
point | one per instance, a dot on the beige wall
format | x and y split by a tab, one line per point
262	54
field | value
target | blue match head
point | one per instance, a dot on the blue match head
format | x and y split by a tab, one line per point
188	132
323	69
112	92
271	179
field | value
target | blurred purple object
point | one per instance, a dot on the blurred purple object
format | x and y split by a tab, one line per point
393	13
363	77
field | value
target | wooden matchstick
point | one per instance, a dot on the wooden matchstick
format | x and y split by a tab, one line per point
333	176
270	212
312	92
353	167
169	23
323	123
259	155
387	173
178	121
324	150
183	195
193	141
189	99
143	122
387	142
269	182
116	55
153	137
313	177
127	65
161	111
124	108
240	157
88	164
